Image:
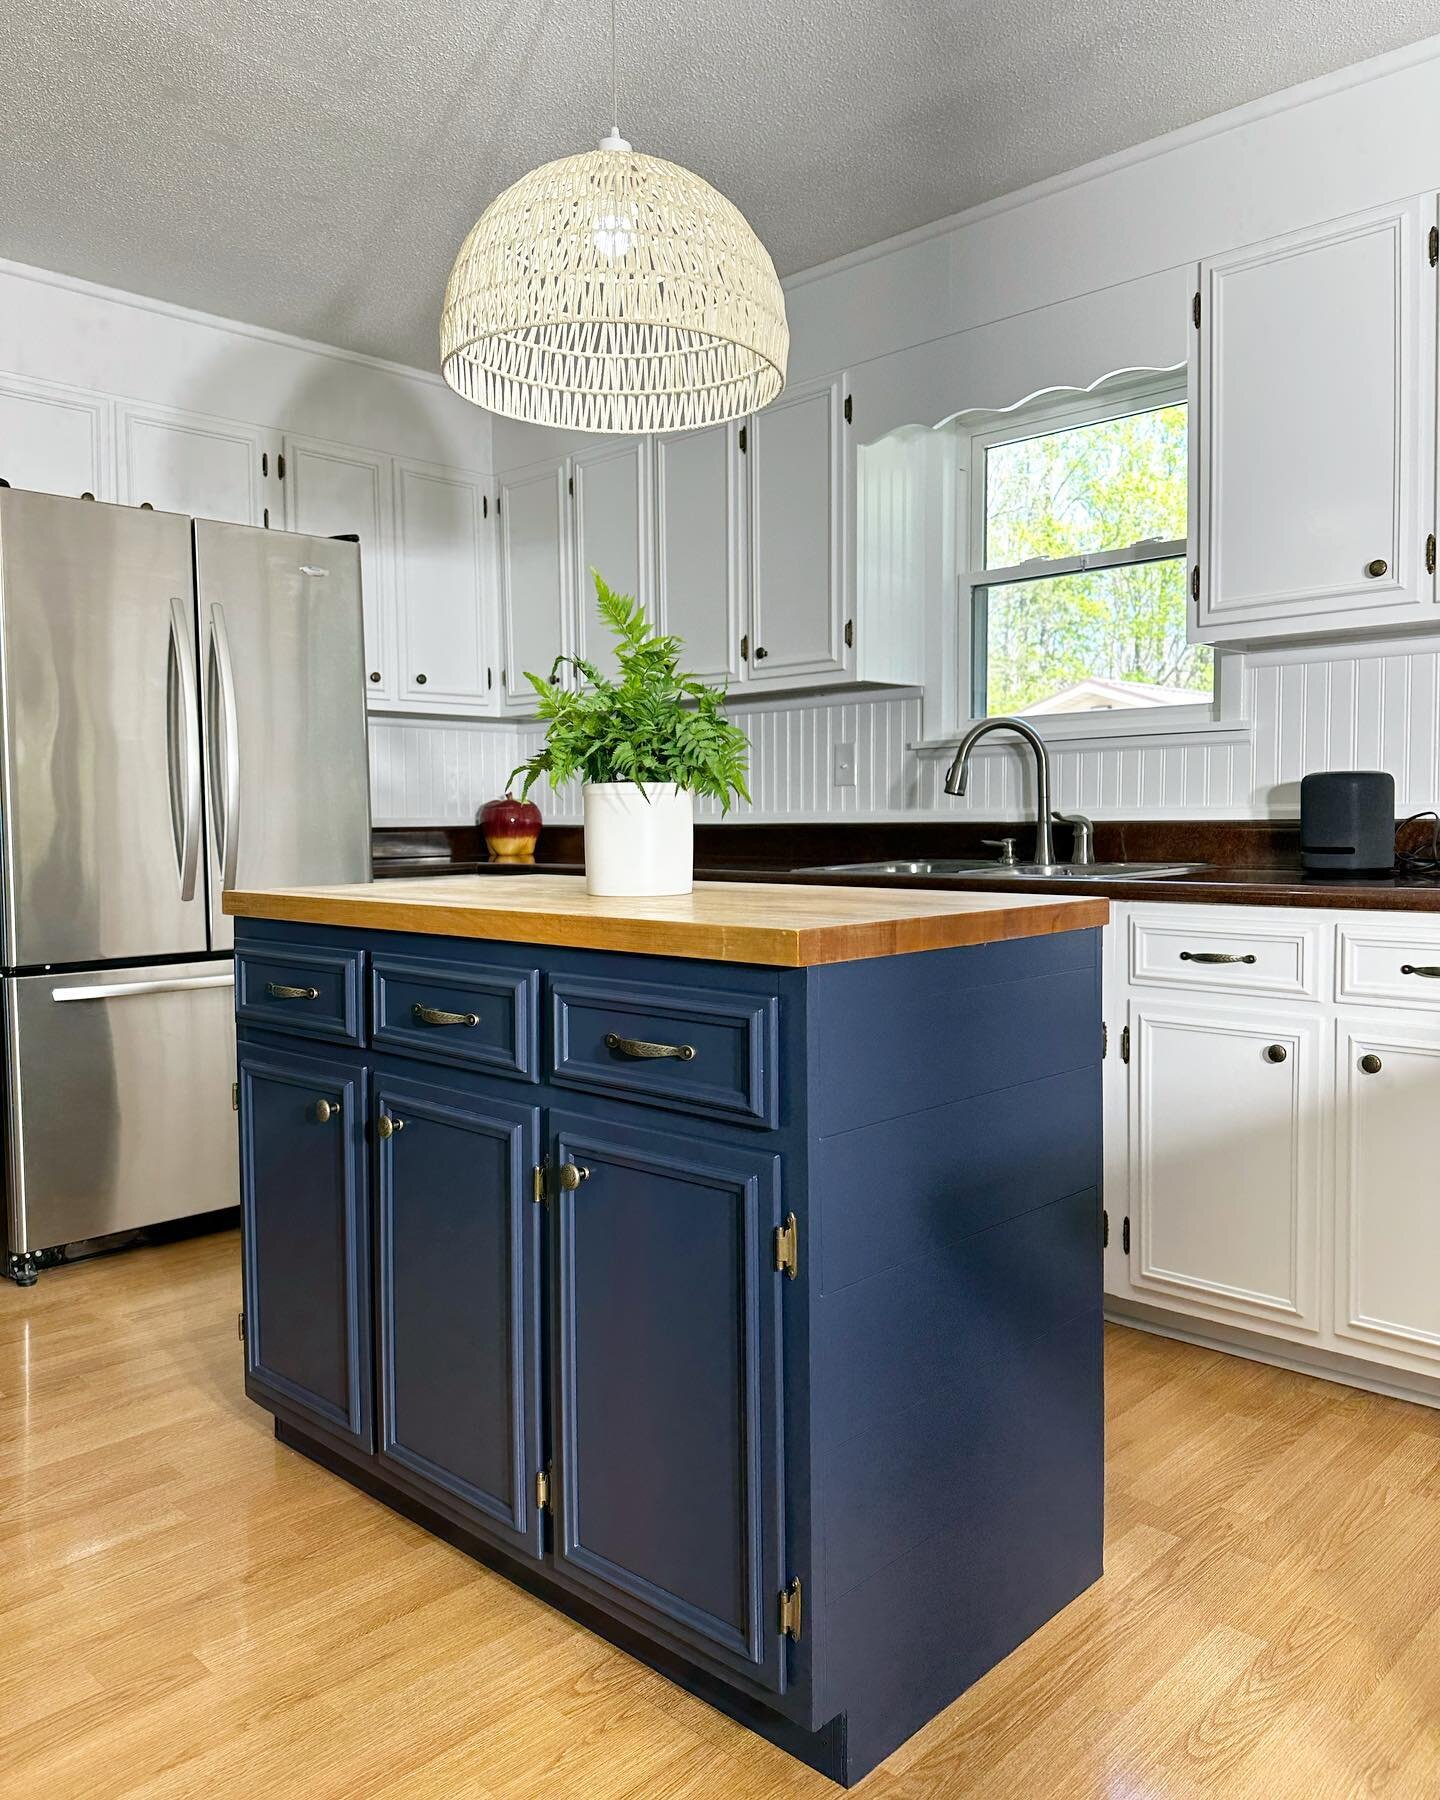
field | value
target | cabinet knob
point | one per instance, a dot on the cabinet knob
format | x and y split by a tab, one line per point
1371	1063
571	1175
1275	1053
761	653
374	674
386	1127
420	681
326	1110
1376	568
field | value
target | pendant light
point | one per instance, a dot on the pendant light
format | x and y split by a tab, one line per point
614	292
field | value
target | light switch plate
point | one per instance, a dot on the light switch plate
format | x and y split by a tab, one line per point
843	772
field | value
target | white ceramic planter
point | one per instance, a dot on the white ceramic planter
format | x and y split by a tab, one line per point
639	841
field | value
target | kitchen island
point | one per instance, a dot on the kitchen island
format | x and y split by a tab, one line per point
723	1268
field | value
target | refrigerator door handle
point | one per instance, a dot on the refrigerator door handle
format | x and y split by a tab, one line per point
224	755
118	990
183	750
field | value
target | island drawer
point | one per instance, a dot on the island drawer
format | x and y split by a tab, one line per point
300	989
479	1016
696	1050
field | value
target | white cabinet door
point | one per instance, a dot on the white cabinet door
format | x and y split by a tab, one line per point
188	463
1387	1244
610	491
698	537
1225	1171
1313	420
334	490
439	561
799	484
56	440
534	580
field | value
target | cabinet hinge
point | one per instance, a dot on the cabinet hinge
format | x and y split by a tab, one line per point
1195	311
849	634
849	411
264	462
787	1247
744	440
240	1320
280	465
1104	1229
484	506
265	518
1104	1041
497	505
542	1489
1434	245
1195	584
791	1606
571	484
234	1096
1125	1236
745	648
1430	554
1125	1044
537	1184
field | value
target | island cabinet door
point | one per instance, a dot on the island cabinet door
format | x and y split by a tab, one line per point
667	1385
306	1231
458	1302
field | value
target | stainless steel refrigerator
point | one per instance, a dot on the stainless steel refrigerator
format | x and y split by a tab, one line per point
181	710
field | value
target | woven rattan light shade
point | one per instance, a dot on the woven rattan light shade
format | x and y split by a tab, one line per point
614	292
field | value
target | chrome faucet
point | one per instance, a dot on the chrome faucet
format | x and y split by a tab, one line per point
959	773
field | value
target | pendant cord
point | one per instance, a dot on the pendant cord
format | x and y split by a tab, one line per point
614	79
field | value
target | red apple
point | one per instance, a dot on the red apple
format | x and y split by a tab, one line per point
511	827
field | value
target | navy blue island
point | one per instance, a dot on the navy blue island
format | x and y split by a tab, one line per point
724	1269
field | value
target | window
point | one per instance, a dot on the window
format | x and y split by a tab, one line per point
1078	600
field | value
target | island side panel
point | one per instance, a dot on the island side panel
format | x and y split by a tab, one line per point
956	1318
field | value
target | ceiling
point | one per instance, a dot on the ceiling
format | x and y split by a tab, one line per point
315	167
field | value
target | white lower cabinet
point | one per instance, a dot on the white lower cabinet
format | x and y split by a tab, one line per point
1266	1162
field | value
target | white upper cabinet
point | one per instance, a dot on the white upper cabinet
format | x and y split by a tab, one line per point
799	508
334	490
534	579
610	512
698	539
188	463
1312	474
56	440
439	567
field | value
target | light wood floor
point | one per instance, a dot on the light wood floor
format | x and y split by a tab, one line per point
188	1610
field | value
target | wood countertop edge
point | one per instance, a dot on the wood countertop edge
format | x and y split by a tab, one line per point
776	946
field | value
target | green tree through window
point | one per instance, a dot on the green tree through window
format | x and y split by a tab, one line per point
1095	638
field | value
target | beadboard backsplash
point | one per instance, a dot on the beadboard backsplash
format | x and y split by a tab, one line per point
1371	706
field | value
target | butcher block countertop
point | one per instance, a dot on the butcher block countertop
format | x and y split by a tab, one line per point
785	925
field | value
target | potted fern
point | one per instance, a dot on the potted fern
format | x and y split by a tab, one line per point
644	744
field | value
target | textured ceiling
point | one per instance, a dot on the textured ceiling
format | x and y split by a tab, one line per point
314	167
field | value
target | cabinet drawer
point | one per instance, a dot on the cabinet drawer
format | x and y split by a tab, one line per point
473	1015
1400	966
291	987
1224	954
695	1051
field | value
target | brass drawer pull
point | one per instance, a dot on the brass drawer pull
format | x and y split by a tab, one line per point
571	1175
432	1015
639	1047
1430	970
326	1110
279	990
1213	956
1275	1053
386	1126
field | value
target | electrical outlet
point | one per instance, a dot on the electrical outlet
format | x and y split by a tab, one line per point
843	774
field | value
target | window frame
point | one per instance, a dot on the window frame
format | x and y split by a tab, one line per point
1044	419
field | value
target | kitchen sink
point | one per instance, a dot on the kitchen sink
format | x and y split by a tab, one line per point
1100	871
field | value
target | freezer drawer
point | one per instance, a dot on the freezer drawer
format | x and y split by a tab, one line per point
118	1095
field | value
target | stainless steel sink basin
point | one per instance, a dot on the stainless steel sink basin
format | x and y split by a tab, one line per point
1111	871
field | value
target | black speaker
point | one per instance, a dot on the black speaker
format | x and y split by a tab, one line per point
1347	822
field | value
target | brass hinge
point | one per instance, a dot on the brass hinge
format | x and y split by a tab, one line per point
745	648
542	1489
1104	1229
537	1184
234	1096
484	506
1434	245
1430	554
849	411
791	1604
1125	1045
1125	1237
787	1247
744	440
849	634
265	518
1195	584
571	484
1195	311
240	1320
264	462
497	506
1104	1041
280	465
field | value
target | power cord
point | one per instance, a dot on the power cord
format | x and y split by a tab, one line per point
1424	859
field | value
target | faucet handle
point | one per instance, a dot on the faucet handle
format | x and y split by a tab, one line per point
1084	849
1006	847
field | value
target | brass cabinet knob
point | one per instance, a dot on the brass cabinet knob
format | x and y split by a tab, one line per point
571	1175
374	674
761	653
1376	568
1275	1053
1371	1063
420	680
326	1110
388	1126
